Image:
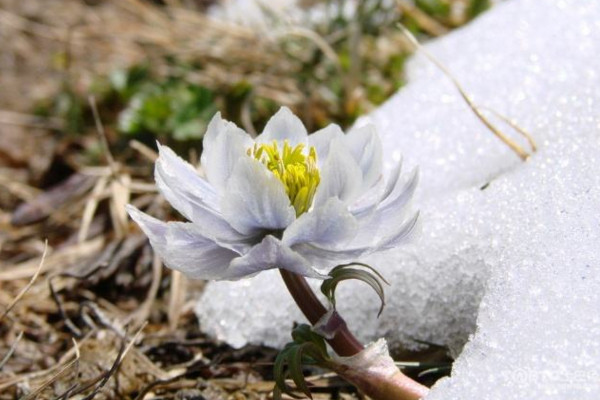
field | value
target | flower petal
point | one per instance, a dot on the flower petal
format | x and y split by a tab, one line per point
389	216
192	196
401	234
184	178
321	140
401	194
340	176
327	258
268	254
182	247
223	145
330	257
365	146
255	200
284	125
329	224
372	199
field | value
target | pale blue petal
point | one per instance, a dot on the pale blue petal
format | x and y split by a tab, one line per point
386	219
268	254
383	228
182	247
192	196
223	145
365	146
401	194
216	125
341	176
284	125
255	200
369	202
184	178
329	224
401	234
329	257
321	140
326	259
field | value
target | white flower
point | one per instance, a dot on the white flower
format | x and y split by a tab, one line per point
285	200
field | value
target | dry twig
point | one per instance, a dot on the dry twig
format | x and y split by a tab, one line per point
29	284
476	109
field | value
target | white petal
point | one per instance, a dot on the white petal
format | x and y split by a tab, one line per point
340	176
365	146
216	125
268	254
373	198
329	225
388	217
401	194
182	247
329	257
321	140
392	180
183	177
223	145
369	200
381	229
155	229
401	235
284	125
326	259
255	200
193	197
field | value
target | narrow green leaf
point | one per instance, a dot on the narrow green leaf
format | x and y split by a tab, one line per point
341	266
277	393
344	272
295	366
279	372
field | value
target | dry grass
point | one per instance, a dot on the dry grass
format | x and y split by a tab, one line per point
85	42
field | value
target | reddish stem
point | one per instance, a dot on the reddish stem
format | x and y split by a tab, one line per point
396	387
343	343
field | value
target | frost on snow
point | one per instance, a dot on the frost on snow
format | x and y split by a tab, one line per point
509	250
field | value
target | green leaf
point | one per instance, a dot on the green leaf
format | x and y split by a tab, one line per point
277	395
303	333
295	366
341	266
343	272
307	348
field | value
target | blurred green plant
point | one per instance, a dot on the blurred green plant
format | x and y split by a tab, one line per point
476	7
137	103
435	8
452	13
173	108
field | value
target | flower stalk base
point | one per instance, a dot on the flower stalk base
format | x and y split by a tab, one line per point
371	370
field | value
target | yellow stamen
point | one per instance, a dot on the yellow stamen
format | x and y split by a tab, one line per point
297	171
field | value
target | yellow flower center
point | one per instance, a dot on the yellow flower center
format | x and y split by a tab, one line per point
297	171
